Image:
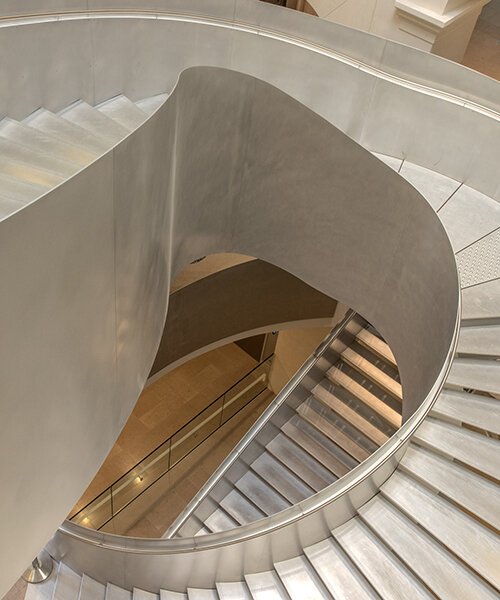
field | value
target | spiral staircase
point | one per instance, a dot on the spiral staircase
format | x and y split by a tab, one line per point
416	519
45	149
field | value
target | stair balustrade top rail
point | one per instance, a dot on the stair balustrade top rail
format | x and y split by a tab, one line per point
356	49
329	503
280	399
345	61
120	494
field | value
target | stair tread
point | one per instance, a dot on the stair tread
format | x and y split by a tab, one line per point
475	493
376	345
472	542
114	592
281	478
19	189
353	387
67	584
483	375
468	447
219	520
95	121
240	509
299	579
10	150
261	494
333	433
304	464
468	216
50	123
234	590
166	595
138	594
390	161
149	105
30	174
203	531
315	448
441	572
388	576
434	187
8	206
91	589
472	409
338	574
349	414
481	302
201	594
364	366
125	112
38	140
482	340
266	586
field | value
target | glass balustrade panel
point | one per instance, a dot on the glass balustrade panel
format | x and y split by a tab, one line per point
196	431
141	477
245	390
98	512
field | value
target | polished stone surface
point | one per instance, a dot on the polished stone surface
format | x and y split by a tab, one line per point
434	187
469	215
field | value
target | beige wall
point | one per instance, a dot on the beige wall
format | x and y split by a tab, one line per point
294	346
208	266
308	9
249	298
431	25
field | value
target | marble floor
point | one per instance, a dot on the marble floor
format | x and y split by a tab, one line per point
483	52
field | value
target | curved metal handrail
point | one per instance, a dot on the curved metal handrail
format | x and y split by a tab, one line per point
300	512
264	418
328	495
168	447
165	15
384	453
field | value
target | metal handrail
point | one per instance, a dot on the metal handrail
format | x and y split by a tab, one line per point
166	15
341	487
259	424
108	491
363	471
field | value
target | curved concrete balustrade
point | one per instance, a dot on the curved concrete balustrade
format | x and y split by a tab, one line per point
373	89
181	186
228	163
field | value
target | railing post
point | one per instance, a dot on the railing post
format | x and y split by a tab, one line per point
40	568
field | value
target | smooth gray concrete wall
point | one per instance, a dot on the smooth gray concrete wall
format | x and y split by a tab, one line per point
227	164
378	103
246	297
